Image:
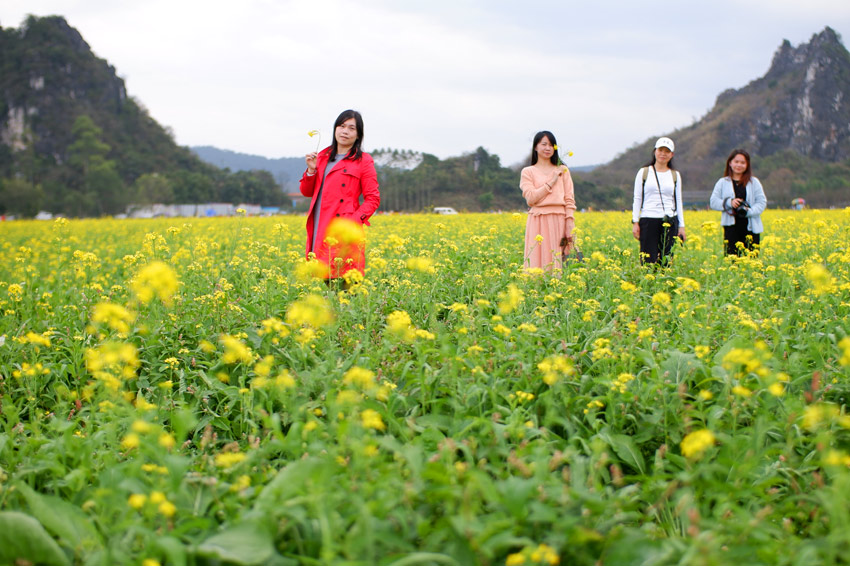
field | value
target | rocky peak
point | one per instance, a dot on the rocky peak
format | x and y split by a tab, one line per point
821	49
799	104
51	77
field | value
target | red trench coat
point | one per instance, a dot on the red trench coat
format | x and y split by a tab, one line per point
346	182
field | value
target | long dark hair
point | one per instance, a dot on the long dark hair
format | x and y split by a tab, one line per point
748	172
355	152
539	136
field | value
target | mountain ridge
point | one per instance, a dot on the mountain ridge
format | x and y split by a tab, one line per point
796	109
71	137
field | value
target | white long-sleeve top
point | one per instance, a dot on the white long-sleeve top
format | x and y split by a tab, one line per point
648	203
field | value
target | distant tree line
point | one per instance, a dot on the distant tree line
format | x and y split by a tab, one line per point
74	143
91	181
477	181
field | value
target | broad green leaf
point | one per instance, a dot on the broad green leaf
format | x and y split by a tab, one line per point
243	544
62	519
423	558
173	549
23	539
627	450
680	366
289	482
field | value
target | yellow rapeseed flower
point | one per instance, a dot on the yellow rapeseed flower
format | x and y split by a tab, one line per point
510	299
115	316
423	264
741	391
156	280
359	377
229	459
696	443
137	500
844	345
234	350
400	325
167	509
372	419
822	282
312	310
130	441
554	367
818	415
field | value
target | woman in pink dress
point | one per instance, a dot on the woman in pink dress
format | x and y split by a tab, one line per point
548	190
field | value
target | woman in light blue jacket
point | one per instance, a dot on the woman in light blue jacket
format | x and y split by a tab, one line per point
741	198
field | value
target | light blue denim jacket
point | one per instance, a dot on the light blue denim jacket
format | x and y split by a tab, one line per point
724	192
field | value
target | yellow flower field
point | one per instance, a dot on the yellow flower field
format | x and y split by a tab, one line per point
184	391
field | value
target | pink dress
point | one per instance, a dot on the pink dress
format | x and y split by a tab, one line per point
552	216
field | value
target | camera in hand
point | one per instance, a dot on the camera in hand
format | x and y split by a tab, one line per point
742	209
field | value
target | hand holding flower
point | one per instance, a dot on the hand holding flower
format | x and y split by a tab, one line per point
311	158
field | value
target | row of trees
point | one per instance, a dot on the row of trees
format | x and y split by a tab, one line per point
89	181
475	181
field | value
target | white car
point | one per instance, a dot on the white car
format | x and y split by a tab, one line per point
444	210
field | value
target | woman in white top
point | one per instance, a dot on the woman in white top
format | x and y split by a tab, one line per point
740	196
657	209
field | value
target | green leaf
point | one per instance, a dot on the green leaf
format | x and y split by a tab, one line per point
62	519
681	366
423	558
627	450
173	550
632	547
244	544
23	539
291	481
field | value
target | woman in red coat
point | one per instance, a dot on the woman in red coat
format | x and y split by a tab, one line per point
336	178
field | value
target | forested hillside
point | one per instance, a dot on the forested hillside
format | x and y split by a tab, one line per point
73	142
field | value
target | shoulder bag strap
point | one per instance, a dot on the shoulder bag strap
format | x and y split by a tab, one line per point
660	196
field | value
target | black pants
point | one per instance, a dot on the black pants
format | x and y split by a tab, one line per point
656	239
739	233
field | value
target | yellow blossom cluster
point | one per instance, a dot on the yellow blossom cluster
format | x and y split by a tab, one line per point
554	368
696	443
235	351
156	499
510	299
621	384
112	362
541	555
308	315
114	316
401	327
155	280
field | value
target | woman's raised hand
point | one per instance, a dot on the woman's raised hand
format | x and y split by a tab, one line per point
310	158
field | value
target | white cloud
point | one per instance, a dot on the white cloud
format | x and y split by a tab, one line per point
442	77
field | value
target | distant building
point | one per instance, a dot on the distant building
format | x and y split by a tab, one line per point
187	210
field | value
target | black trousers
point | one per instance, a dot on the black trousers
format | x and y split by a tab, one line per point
656	239
739	233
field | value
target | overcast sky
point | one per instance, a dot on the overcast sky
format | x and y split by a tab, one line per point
439	76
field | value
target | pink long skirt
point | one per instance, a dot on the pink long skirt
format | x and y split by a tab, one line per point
546	254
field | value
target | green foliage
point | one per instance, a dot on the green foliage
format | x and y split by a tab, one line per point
90	141
24	541
475	181
473	453
19	197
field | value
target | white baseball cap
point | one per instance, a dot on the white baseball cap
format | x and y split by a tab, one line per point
665	142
